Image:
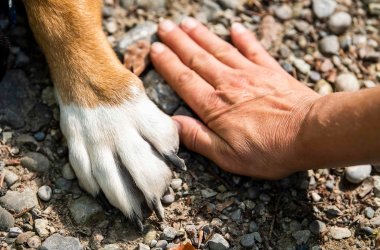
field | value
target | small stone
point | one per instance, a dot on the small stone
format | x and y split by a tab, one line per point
339	22
317	227
374	8
59	242
142	246
176	184
10	178
153	243
323	8
191	230
230	4
111	26
169	233
333	211
253	227
161	244
34	242
41	226
369	212
144	31
13	232
22	238
302	66
45	193
26	142
63	184
357	174
339	233
287	67
301	236
329	45
264	197
168	199
367	230
323	88
347	82
314	76
85	210
19	202
35	162
257	237
330	185
208	193
315	196
283	12
236	215
217	242
67	172
375	221
6	220
248	240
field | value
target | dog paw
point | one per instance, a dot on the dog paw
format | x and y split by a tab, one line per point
122	151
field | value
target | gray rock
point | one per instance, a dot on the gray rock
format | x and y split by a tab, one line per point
35	162
253	227
317	227
151	5
19	202
210	9
41	226
208	193
257	237
48	96
111	25
236	215
323	8
347	82
301	236
6	220
144	31
283	12
168	199
339	22
339	233
369	212
45	193
169	233
323	88
111	247
13	232
161	244
67	172
10	178
375	221
333	210
329	45
63	184
374	8
301	66
357	174
142	246
230	4
248	240
176	184
314	76
85	210
59	242
217	242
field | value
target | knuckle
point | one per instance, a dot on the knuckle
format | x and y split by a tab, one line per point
198	60
185	77
224	51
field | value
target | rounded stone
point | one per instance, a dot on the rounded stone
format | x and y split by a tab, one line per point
329	45
67	172
347	82
339	233
323	8
248	240
161	244
45	193
6	220
169	233
176	184
217	242
369	212
35	162
85	210
323	88
339	22
317	227
59	242
357	174
301	236
283	12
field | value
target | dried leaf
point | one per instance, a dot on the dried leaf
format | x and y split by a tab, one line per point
187	246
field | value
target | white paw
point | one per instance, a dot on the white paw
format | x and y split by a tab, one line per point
120	150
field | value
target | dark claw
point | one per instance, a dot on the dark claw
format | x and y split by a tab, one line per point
158	209
138	223
102	199
176	161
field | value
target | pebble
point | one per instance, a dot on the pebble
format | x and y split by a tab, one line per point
302	66
301	236
13	232
22	238
10	178
314	76
374	8
35	162
375	221
67	172
329	45
149	236
357	174
323	8
6	220
339	233
59	242
283	12
208	193
142	246
317	227
153	243
41	226
369	212
45	193
339	22
347	82
176	184
169	233
144	31
236	215
34	242
248	240
217	242
230	4
253	227
168	198
111	247
330	185
161	244
19	202
323	88
63	184
111	26
315	196
85	210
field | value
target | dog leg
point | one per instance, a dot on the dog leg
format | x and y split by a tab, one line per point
118	139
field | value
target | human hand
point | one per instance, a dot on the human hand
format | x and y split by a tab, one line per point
252	111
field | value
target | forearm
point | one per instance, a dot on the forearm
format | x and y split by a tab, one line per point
342	129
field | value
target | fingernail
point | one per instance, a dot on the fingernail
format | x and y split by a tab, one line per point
157	47
189	23
238	28
166	25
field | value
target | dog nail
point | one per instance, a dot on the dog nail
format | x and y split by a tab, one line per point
176	161
238	28
189	23
167	25
158	209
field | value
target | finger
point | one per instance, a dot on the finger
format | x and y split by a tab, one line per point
247	43
190	86
198	138
223	51
191	54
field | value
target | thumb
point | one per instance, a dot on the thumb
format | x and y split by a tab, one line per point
198	138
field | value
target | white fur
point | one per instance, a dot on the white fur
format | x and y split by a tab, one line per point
104	140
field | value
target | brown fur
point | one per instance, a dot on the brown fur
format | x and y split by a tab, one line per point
83	66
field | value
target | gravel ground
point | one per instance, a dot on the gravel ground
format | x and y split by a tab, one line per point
329	45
